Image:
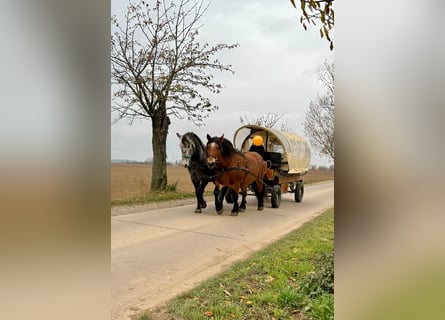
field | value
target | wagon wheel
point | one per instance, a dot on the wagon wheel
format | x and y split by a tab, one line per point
276	196
299	191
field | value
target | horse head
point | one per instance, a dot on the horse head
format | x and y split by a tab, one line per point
214	150
187	148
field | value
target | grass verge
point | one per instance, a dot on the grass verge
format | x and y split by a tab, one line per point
154	197
168	195
292	278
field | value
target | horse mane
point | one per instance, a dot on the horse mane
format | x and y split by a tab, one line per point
196	138
227	148
200	150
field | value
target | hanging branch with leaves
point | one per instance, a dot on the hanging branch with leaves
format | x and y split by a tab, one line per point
314	11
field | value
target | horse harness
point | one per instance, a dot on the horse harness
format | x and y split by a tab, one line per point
238	168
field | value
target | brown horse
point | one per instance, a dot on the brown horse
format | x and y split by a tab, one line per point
235	170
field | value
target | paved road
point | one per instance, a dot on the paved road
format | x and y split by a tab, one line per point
158	254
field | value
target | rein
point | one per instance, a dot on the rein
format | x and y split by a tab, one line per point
238	168
221	171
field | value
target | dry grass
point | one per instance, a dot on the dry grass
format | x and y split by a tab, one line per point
133	180
318	175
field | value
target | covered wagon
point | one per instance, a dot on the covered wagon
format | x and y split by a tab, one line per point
287	155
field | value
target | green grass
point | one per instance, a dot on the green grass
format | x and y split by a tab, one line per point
292	278
154	197
144	316
148	197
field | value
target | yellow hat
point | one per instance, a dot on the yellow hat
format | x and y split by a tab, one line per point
257	140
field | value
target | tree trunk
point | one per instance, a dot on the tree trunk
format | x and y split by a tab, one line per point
160	124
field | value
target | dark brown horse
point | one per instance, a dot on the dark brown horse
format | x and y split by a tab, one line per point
194	157
235	170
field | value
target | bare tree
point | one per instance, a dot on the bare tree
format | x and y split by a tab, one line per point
158	69
318	10
319	120
268	120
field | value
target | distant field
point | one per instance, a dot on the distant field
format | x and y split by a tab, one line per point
133	180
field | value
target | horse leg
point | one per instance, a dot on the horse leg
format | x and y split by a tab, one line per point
242	206
235	209
259	195
198	196
202	186
219	198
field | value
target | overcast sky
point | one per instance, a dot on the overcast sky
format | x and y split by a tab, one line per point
275	71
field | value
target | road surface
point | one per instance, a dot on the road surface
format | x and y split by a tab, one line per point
158	254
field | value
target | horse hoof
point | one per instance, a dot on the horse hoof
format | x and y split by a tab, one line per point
260	208
203	205
234	213
198	210
242	209
220	211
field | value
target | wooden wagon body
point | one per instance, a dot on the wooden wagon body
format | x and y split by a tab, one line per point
287	155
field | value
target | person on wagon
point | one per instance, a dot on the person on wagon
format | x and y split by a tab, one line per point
257	145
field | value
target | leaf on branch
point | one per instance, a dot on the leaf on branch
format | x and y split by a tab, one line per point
303	9
327	7
326	32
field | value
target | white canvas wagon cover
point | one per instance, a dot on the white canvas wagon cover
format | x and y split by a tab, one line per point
295	150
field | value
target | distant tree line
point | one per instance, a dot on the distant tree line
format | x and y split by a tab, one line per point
323	168
146	161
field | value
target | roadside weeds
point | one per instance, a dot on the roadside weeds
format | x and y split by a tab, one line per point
290	279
